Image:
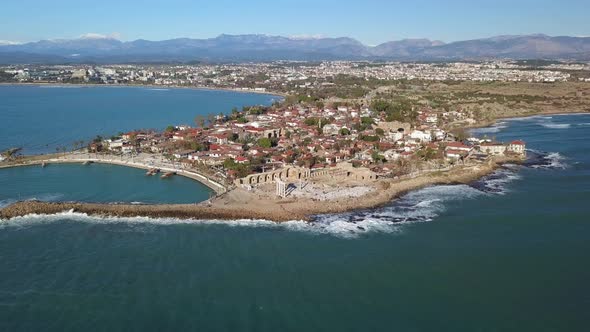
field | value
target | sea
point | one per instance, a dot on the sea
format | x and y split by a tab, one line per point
509	252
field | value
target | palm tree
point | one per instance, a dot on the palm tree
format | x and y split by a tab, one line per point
211	118
200	121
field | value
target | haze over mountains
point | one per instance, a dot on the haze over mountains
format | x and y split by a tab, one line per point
265	48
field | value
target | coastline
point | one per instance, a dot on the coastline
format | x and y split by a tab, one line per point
147	86
239	204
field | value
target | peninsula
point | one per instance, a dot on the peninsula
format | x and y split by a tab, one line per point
336	142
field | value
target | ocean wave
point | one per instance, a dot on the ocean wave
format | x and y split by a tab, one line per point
552	160
552	125
490	130
496	182
526	118
158	89
418	206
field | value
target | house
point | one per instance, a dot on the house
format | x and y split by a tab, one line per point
517	147
493	148
421	136
458	146
331	129
182	154
455	154
127	148
241	160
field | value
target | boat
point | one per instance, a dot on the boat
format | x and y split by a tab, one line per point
152	171
43	164
167	175
87	162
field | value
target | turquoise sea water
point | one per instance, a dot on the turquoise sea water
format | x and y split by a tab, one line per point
507	253
96	183
41	118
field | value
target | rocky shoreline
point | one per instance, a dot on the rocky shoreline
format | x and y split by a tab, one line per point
239	204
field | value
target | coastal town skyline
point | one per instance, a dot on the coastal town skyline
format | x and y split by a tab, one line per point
448	22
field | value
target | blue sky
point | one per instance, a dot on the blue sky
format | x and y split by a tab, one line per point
370	21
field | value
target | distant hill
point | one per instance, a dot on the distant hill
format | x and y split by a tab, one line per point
266	48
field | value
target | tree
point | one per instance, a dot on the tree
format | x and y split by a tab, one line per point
265	142
200	121
344	132
460	134
170	129
379	131
377	157
367	120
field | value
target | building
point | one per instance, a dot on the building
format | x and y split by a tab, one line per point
493	148
517	147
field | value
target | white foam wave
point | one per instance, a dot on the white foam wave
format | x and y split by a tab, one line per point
552	125
497	181
418	206
526	118
158	89
554	160
492	129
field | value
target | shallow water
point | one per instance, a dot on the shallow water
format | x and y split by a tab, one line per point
98	183
506	253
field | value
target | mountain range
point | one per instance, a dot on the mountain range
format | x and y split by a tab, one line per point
238	48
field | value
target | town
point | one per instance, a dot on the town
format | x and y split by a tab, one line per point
355	144
288	76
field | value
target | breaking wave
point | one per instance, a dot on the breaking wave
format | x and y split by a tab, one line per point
552	125
497	181
549	160
490	130
417	206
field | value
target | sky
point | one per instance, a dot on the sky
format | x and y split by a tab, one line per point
369	21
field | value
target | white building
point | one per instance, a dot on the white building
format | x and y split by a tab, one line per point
421	136
517	147
493	148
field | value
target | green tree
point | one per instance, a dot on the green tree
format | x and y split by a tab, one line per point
377	157
265	142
